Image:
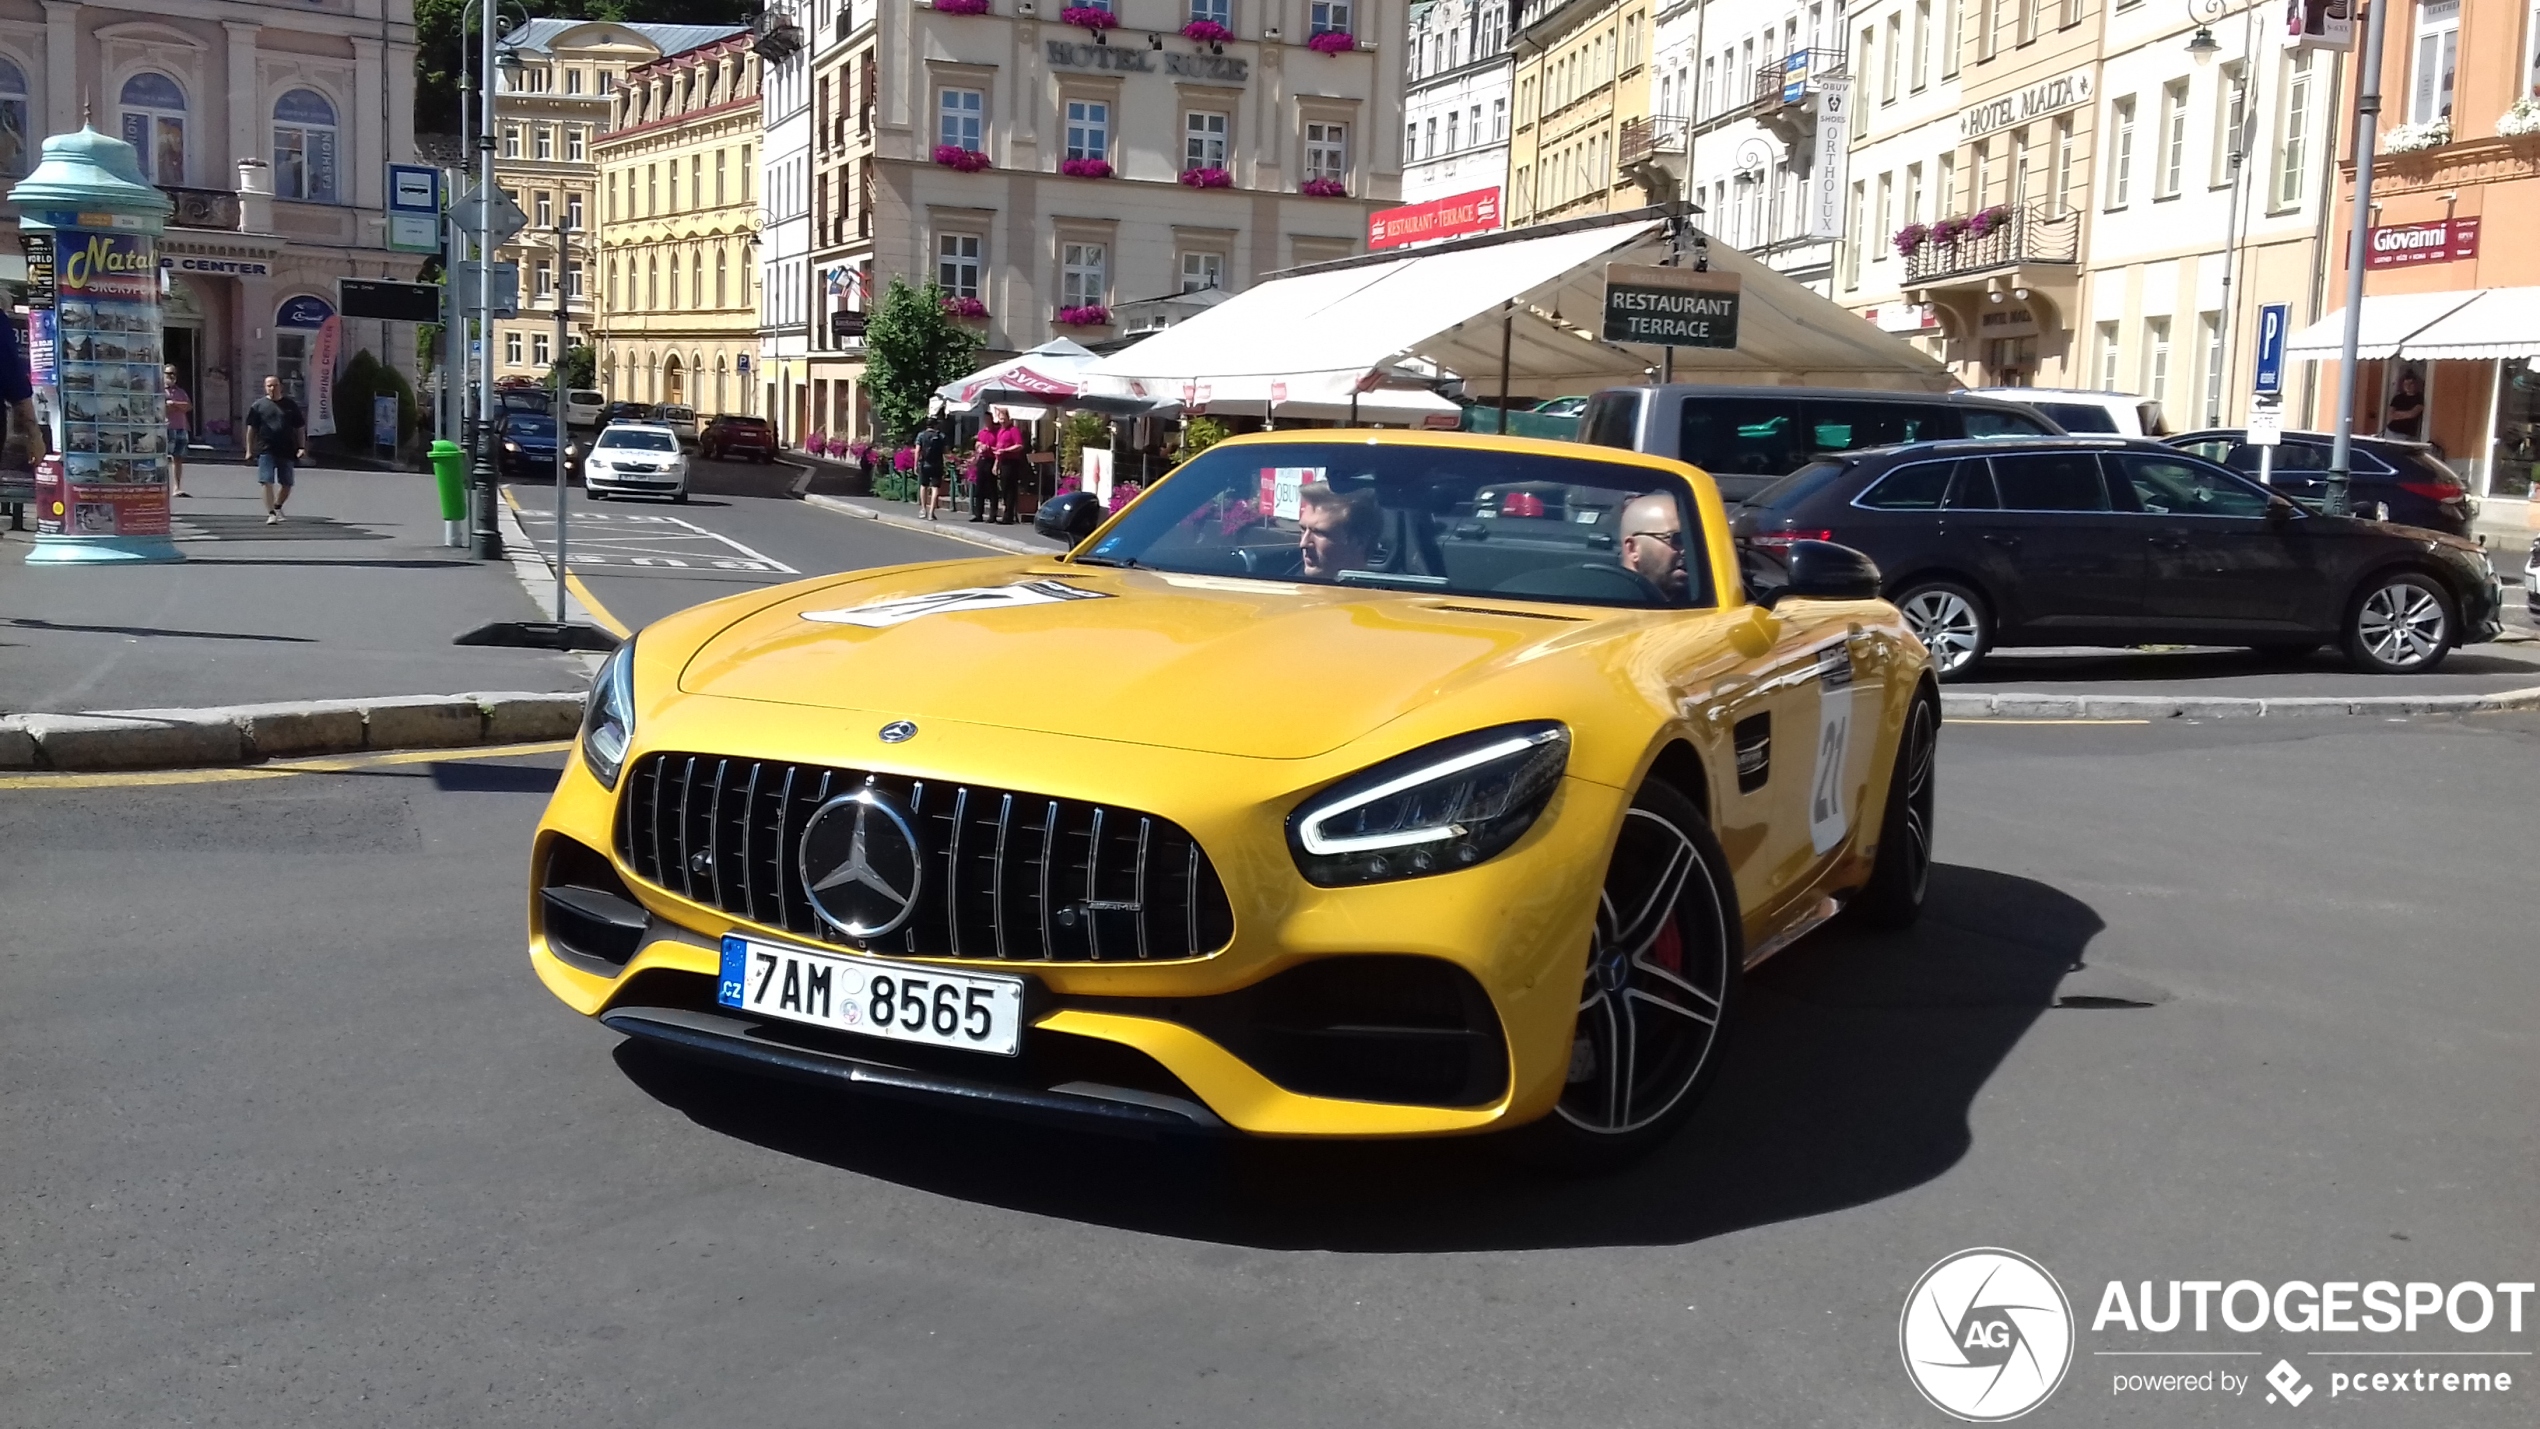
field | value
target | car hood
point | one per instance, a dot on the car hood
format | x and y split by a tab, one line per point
1254	668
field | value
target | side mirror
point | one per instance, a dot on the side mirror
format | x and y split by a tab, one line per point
1822	570
1069	518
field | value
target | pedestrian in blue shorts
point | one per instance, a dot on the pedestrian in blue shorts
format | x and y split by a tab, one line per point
277	436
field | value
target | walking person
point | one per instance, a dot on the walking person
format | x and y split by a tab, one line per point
931	446
180	427
278	438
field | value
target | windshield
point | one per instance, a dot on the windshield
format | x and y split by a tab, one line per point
1443	519
520	425
640	441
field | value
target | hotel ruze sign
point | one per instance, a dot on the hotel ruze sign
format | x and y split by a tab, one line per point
2401	245
1452	217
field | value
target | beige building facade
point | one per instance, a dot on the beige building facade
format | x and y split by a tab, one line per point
1583	77
678	197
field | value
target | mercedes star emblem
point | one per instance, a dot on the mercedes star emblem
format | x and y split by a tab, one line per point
898	731
860	864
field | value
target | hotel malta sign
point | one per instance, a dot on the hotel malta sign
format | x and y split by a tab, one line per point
2010	111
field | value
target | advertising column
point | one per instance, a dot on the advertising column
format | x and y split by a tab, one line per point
103	495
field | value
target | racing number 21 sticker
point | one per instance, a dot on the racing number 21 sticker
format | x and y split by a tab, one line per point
1827	820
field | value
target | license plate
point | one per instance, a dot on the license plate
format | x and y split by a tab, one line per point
906	1002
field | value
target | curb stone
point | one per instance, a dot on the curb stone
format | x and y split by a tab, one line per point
2015	705
247	734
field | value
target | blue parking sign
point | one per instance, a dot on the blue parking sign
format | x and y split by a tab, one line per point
2273	320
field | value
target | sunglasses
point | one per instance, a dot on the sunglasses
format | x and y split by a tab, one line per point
1675	539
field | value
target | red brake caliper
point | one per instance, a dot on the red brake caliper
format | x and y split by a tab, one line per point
1669	950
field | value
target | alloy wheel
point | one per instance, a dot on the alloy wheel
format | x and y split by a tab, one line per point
1922	745
1658	971
1948	626
2402	624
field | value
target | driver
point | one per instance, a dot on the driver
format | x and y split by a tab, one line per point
1336	531
1653	544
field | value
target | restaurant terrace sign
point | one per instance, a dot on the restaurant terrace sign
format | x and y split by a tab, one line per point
1224	69
2049	96
1670	307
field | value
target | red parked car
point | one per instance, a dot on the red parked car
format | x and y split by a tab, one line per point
729	438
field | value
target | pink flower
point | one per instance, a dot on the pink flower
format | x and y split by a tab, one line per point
1332	42
961	7
1208	178
1323	188
965	308
1090	315
1088	17
1207	32
1085	168
959	159
1123	494
1909	239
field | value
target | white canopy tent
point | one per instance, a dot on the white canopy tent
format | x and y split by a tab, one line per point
2390	325
1526	303
1046	375
2498	322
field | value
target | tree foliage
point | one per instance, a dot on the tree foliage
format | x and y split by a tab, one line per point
581	367
910	349
443	49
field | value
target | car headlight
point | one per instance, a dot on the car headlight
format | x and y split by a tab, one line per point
1442	807
511	446
608	717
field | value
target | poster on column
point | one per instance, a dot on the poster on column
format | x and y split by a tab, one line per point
330	338
110	422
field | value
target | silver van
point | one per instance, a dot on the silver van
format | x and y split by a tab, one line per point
1750	437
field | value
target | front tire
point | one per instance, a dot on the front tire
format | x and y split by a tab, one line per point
2402	624
1893	898
1659	993
1952	623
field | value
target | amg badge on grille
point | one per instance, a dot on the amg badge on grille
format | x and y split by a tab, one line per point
860	863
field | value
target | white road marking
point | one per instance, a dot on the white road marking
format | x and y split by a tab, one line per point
632	540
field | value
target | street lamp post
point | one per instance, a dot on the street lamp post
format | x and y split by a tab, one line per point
564	238
487	536
2340	500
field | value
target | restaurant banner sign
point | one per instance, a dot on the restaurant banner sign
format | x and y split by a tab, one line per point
2400	245
1450	217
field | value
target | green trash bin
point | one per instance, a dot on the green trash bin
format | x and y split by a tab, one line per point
449	468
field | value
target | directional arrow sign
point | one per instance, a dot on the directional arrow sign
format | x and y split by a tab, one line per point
471	212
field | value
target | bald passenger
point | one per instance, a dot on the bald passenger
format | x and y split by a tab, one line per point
1653	535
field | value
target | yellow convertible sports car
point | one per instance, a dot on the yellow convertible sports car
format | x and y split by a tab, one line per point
1345	784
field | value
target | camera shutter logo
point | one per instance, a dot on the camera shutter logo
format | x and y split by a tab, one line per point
1986	1335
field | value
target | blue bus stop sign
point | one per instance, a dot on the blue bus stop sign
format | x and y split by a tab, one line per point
2273	320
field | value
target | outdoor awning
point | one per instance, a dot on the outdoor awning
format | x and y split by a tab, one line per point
1048	373
1320	332
2499	322
2391	321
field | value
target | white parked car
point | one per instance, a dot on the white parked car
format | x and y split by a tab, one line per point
635	459
582	407
682	420
2120	413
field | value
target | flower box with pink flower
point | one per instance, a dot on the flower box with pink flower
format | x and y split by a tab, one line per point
1332	42
1085	168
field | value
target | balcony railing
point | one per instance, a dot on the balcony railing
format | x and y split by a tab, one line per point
1645	139
1775	86
2028	235
202	208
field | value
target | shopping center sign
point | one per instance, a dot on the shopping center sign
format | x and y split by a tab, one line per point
2400	245
1451	217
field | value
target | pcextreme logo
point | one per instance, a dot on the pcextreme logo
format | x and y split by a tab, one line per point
1986	1335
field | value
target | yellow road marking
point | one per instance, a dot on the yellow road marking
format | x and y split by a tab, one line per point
342	764
573	583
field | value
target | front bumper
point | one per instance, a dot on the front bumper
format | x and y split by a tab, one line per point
1184	1042
653	483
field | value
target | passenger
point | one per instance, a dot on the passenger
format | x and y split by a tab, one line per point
1654	542
1336	531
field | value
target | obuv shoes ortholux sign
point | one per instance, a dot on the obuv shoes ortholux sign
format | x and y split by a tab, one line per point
1670	307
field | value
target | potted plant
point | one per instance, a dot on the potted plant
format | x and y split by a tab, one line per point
1085	168
1086	315
1323	188
1332	42
1987	220
959	159
961	7
1948	230
1207	177
1092	19
1207	32
965	308
2417	138
2521	120
1910	238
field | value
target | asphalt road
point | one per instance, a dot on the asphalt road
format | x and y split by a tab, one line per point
292	1135
645	559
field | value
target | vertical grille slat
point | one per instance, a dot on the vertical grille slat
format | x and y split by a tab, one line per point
1006	876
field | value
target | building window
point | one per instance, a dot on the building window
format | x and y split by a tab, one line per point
1892	59
1202	271
722	274
1410	142
1088	129
2060	202
543	209
304	147
1949	39
1886	217
1083	281
1454	131
2121	152
1861	236
2156	359
2019	168
511	348
1216	12
2212	324
2438	42
13	118
697	282
652	282
574	143
544	139
511	141
718	178
1330	16
1922	44
2108	357
2231	123
1327	151
957	264
2173	138
543	276
1499	119
573	81
1203	141
154	125
2293	151
573	212
573	280
959	122
1432	132
539	352
652	189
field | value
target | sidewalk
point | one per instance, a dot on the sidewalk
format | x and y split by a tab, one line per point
353	596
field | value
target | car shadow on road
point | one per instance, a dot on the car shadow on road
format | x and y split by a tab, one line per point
2021	669
1850	1080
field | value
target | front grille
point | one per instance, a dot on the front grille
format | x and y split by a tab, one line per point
1009	876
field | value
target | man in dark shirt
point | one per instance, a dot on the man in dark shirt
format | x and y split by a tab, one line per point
277	437
931	443
25	440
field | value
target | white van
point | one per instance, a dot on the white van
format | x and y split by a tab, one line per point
682	420
582	407
2118	413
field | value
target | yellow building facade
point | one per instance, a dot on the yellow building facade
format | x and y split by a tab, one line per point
1583	75
678	199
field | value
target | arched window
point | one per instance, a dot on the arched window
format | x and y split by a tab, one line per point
721	402
697	285
304	147
674	278
652	282
617	298
13	112
154	125
722	261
